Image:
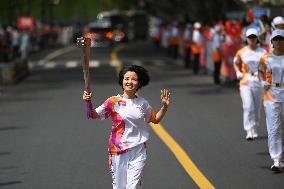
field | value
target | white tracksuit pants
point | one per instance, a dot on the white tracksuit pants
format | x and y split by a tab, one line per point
275	124
126	168
251	98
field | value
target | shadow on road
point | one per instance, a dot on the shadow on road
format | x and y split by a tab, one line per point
5	153
263	153
10	183
11	128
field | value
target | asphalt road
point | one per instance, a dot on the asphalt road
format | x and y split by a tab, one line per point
46	142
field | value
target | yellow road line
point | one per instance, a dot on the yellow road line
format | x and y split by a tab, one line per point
114	57
182	157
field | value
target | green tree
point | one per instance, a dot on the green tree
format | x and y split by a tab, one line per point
86	10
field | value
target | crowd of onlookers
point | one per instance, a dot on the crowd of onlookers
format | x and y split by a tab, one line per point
202	47
20	43
210	48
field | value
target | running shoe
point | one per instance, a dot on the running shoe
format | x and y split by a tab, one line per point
254	133
249	135
277	167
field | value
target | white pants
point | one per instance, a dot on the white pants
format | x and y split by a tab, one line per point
251	98
126	168
274	121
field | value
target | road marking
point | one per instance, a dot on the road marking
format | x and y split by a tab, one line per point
94	63
50	65
159	62
182	157
114	59
57	53
137	62
72	64
115	63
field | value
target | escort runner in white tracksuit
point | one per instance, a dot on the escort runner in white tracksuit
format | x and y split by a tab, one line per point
271	70
246	66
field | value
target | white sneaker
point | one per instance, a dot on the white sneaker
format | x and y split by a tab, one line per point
277	166
249	135
254	133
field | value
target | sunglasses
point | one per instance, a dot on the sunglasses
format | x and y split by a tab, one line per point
252	37
278	38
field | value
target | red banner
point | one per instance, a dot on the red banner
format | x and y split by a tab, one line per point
25	22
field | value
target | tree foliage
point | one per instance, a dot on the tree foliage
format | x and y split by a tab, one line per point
86	10
204	10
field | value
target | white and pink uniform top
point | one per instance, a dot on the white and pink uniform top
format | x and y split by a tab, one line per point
130	118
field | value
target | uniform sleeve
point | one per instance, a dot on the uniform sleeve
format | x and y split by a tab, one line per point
264	68
105	110
262	65
237	58
150	114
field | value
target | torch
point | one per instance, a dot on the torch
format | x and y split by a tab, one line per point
85	44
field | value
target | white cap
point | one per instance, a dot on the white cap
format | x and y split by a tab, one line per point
277	20
277	32
197	25
251	31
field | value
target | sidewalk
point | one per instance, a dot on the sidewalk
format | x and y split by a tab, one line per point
14	71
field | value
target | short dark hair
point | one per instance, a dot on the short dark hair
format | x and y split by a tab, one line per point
142	73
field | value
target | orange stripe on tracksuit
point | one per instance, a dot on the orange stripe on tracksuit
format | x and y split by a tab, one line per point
267	77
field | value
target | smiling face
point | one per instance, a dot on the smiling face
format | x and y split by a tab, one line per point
130	82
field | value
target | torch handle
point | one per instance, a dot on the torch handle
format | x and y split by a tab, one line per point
86	67
87	78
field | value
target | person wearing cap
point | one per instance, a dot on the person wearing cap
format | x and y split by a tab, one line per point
271	72
277	23
174	40
216	54
187	40
196	46
246	63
